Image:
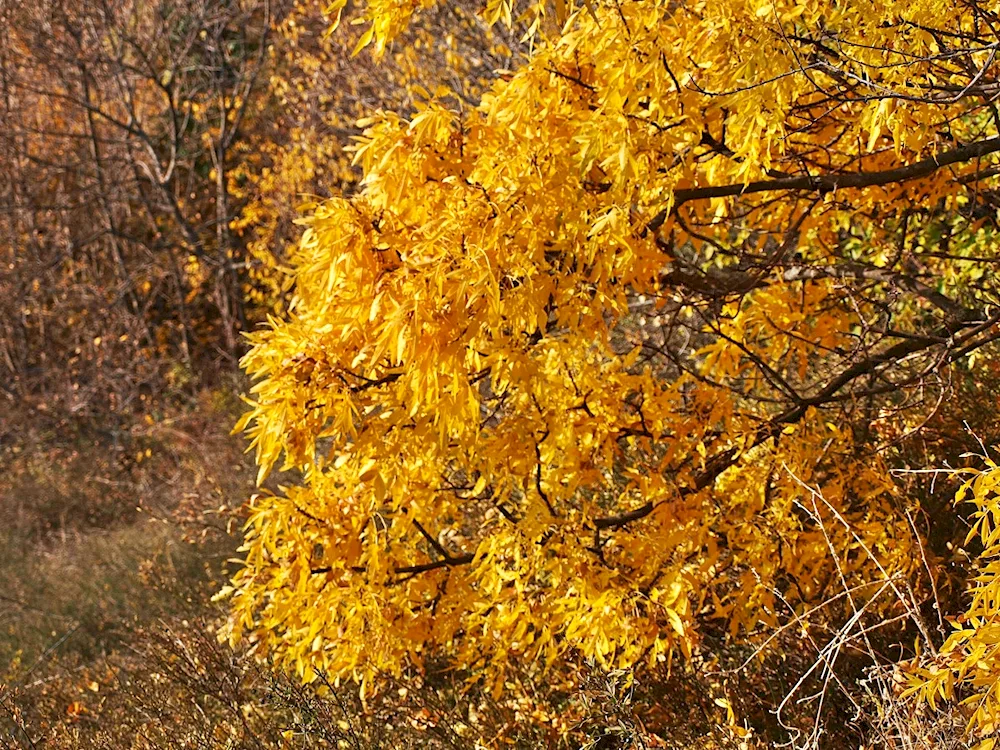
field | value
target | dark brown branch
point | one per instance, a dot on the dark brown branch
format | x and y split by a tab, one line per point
411	570
573	79
725	282
885	275
438	547
450	562
372	383
538	477
610	522
829	182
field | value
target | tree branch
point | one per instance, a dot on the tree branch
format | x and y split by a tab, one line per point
728	457
828	182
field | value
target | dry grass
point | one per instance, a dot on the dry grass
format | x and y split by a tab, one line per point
105	530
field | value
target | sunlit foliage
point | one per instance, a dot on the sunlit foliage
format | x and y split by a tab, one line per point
318	91
624	351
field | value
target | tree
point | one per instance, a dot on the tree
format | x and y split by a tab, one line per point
625	354
120	121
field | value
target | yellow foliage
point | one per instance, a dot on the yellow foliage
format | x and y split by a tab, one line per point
969	660
538	403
